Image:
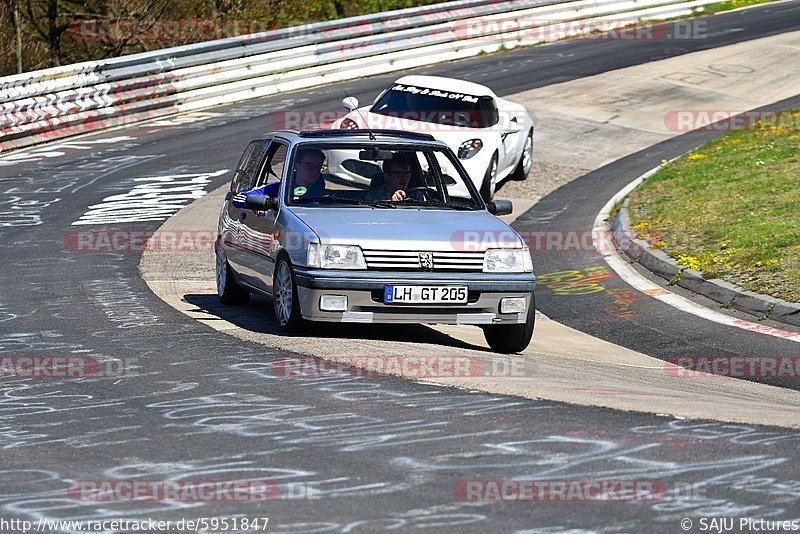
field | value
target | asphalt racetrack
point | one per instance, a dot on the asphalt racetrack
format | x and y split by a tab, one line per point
189	403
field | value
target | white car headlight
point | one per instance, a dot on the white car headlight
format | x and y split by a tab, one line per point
507	260
335	256
467	149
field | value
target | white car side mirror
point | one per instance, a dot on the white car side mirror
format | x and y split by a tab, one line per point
350	103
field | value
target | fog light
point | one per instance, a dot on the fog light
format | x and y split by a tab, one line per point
512	305
334	303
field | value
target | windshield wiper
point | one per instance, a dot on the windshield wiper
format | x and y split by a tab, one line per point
383	204
328	198
415	202
345	200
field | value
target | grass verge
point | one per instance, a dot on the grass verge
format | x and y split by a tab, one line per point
731	208
719	7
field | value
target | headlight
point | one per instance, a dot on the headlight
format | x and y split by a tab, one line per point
467	149
507	260
348	124
335	256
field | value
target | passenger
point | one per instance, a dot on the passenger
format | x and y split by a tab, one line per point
308	182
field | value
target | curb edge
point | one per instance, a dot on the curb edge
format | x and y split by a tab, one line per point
727	294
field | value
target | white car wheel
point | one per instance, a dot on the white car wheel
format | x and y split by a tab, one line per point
228	290
284	297
490	180
525	161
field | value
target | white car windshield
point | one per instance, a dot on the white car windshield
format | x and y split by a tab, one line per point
437	106
379	175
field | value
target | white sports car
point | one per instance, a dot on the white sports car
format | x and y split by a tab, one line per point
492	137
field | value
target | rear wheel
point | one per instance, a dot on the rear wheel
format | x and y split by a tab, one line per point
525	161
508	338
228	290
284	297
490	180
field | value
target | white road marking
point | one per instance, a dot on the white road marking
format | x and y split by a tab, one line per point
601	237
154	198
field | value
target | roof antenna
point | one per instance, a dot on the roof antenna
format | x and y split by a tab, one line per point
371	135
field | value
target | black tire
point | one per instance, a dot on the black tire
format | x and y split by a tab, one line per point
525	164
285	302
511	338
489	181
228	291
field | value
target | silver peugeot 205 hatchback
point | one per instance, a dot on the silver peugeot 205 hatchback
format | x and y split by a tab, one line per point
416	244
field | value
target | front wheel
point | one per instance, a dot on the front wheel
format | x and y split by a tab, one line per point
509	338
284	297
489	180
525	161
228	290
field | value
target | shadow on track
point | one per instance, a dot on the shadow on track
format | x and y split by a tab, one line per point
258	317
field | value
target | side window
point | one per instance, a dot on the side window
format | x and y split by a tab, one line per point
276	159
489	113
238	175
252	166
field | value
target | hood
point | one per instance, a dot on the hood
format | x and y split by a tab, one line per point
408	228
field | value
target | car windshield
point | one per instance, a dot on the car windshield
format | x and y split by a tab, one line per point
379	175
437	106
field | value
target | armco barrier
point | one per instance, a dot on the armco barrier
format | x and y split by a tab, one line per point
54	103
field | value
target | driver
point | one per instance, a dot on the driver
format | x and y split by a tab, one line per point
396	177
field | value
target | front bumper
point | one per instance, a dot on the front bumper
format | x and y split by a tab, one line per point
364	290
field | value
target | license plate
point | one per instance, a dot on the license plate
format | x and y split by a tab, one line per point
425	294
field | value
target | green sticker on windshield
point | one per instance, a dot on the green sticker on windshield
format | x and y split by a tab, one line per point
300	191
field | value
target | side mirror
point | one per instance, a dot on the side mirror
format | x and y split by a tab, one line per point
260	203
500	207
350	103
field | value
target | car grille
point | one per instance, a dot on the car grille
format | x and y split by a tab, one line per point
401	260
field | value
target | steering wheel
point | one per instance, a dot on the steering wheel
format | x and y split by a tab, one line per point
434	194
